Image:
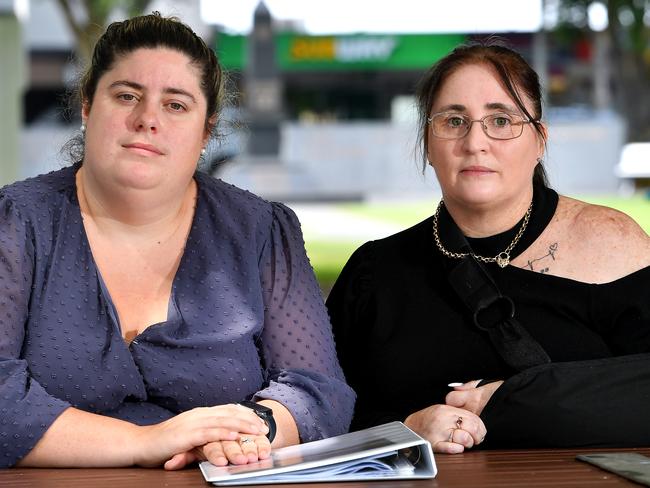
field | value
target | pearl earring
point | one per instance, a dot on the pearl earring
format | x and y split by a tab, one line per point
203	152
83	128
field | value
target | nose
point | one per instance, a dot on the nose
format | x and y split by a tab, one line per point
145	117
476	139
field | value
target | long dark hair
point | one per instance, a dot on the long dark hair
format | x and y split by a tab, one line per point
511	68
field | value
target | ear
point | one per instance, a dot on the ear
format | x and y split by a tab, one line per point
212	122
85	110
430	161
541	140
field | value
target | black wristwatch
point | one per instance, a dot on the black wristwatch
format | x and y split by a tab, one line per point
266	414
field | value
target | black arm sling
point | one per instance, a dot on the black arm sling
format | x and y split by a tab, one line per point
492	312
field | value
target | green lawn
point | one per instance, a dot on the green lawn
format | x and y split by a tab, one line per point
329	256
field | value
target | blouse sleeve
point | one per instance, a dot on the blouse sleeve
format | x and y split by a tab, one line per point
298	348
27	409
351	306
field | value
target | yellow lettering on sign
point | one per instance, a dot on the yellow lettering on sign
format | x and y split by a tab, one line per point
305	49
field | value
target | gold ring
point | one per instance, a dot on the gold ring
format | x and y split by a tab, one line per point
459	422
451	435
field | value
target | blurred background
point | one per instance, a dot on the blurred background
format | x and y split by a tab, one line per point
320	112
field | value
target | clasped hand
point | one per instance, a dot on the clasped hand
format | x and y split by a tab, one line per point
222	434
455	426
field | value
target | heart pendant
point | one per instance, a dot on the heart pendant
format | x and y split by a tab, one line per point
503	259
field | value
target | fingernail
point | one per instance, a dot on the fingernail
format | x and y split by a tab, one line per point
454	385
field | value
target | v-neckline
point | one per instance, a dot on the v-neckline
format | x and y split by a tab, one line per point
173	312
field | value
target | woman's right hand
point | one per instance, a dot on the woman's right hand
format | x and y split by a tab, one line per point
180	435
221	453
449	429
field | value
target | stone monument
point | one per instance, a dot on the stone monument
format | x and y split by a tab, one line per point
260	168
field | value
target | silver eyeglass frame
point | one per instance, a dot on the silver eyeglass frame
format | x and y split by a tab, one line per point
470	122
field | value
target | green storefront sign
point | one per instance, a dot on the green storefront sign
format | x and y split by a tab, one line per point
343	53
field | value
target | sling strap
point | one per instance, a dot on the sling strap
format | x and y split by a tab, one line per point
492	312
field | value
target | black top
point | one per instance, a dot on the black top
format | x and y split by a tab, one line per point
402	334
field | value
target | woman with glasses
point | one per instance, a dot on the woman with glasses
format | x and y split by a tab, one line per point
512	316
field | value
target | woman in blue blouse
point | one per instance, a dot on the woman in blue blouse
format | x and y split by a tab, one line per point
141	301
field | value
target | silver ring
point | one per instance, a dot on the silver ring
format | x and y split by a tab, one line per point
459	422
245	440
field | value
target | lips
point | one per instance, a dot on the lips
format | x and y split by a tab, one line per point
477	170
143	148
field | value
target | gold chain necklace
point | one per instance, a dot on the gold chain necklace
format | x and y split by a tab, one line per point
502	259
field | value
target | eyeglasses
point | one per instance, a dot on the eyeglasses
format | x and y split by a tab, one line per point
502	126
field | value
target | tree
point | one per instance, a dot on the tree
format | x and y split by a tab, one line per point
88	21
628	33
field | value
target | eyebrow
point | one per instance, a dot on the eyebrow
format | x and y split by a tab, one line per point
138	86
501	106
455	107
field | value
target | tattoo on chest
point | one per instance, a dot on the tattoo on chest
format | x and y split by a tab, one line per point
541	264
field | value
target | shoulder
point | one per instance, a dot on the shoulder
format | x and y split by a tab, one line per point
395	250
241	209
39	193
605	228
416	236
44	184
225	195
389	267
233	206
610	242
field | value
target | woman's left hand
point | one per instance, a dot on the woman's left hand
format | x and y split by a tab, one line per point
221	453
248	449
470	397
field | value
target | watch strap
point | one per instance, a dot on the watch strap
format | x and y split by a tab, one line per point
265	413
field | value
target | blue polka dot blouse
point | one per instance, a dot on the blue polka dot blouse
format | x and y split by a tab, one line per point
246	319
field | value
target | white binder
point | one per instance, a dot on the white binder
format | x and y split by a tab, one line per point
389	451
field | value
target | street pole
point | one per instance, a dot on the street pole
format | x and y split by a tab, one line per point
602	71
11	92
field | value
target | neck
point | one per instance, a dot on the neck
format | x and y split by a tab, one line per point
133	214
484	220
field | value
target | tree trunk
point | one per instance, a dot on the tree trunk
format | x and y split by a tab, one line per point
631	79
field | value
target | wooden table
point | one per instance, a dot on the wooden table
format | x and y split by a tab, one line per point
490	469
